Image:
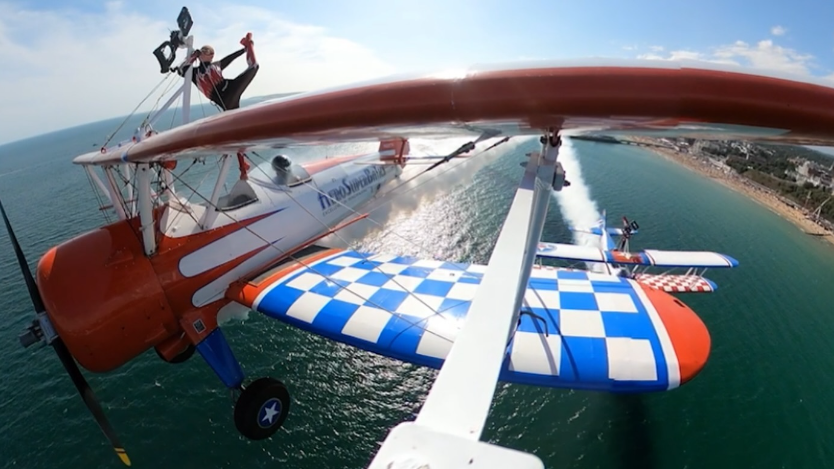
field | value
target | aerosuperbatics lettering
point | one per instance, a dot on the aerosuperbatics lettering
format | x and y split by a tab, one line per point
349	187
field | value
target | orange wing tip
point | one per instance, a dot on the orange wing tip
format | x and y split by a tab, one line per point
688	334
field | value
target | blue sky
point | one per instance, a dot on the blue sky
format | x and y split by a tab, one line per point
58	81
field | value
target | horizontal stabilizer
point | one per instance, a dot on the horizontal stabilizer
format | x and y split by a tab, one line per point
677	283
651	257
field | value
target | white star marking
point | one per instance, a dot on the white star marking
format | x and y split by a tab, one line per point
271	413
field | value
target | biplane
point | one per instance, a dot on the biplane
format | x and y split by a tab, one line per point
616	259
159	276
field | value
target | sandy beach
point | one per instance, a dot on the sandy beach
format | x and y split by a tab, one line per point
756	192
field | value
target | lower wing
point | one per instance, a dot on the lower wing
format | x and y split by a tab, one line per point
577	329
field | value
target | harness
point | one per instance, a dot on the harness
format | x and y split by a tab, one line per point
209	79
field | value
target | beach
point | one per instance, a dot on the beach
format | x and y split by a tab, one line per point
729	178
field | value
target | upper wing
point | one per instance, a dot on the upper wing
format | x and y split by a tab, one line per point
651	257
583	330
615	97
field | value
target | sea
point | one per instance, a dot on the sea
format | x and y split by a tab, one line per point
764	400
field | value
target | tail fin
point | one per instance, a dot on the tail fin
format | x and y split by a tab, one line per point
394	150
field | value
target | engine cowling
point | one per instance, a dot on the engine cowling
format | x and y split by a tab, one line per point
104	298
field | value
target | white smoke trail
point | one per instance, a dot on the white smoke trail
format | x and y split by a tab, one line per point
575	202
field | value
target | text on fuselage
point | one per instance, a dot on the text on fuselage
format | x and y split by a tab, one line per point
350	186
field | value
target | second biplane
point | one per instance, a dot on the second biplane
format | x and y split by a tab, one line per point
616	259
161	274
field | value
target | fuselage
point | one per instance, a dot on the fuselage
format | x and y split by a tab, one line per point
286	217
110	302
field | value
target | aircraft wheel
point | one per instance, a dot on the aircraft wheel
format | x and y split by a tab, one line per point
262	408
180	357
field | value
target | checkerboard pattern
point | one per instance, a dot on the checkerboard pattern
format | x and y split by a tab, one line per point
590	331
677	283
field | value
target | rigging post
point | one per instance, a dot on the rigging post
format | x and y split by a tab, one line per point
179	39
211	210
131	200
115	193
186	86
146	221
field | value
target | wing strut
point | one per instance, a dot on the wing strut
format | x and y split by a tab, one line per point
448	428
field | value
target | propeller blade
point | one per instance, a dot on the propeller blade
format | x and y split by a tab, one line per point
89	398
63	353
34	294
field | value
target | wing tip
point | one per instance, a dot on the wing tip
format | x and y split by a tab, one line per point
730	260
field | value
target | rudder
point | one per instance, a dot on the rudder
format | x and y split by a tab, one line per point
394	150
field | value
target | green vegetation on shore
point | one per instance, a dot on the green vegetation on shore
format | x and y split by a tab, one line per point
777	167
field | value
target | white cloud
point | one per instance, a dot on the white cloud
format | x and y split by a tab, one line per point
656	48
778	30
84	67
768	56
764	55
686	55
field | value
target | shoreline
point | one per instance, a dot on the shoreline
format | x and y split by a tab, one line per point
728	178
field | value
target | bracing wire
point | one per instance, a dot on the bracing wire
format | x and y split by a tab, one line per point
110	137
326	276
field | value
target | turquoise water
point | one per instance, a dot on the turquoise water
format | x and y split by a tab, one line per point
763	399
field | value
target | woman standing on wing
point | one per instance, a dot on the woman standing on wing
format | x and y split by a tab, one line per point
208	75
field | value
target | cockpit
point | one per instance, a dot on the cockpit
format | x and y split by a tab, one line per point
288	173
281	174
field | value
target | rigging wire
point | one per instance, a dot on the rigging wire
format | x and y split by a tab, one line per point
388	194
101	205
179	178
158	99
113	134
335	281
291	256
366	258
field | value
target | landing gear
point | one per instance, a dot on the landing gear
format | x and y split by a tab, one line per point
262	408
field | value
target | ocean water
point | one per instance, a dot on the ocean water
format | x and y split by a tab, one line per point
763	400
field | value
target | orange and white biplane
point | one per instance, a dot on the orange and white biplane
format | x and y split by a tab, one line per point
160	275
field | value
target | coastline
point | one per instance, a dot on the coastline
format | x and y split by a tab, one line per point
728	178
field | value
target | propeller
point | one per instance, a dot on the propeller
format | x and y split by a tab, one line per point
36	333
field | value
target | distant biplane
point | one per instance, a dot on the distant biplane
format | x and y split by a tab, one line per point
159	276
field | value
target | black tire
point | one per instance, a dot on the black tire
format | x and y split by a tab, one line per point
264	399
180	357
